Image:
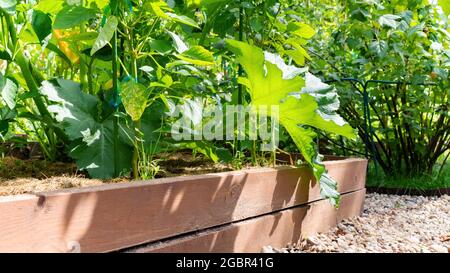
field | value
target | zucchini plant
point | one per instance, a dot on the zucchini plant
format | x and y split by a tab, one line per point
270	83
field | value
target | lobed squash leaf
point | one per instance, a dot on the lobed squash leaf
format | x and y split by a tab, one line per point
270	82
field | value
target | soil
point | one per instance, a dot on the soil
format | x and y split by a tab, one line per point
183	164
18	176
22	173
12	167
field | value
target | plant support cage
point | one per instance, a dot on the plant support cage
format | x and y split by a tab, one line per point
363	87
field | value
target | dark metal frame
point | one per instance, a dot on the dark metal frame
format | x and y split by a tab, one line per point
369	136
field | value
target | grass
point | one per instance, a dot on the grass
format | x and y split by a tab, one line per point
423	182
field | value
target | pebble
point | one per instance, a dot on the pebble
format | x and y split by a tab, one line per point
439	248
267	249
389	224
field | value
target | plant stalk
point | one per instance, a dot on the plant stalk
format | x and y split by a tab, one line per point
83	64
240	70
25	68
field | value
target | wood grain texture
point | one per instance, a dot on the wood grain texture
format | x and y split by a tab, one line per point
277	229
112	217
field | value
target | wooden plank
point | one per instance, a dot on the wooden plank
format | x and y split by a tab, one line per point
112	217
277	229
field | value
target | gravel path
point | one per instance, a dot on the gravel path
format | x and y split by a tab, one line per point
390	224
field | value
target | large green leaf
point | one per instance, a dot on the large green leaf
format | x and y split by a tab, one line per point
161	46
5	54
93	137
209	5
327	99
197	55
389	20
379	48
42	24
71	16
101	4
55	48
445	5
269	86
9	6
180	45
50	6
4	127
163	11
75	109
151	122
134	99
6	116
206	148
202	3
105	35
301	29
8	92
95	151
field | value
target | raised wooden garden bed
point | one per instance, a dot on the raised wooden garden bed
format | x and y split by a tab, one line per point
237	211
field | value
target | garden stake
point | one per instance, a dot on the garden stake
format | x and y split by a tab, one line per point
115	98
